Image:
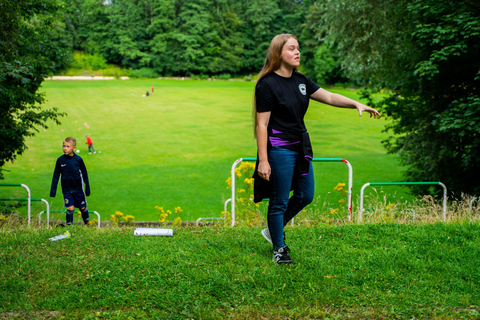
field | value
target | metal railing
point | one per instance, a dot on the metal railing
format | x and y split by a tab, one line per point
360	211
350	182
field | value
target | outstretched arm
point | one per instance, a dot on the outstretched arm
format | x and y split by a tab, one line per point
337	100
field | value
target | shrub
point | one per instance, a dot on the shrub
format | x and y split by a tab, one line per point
85	61
163	216
146	73
118	216
224	76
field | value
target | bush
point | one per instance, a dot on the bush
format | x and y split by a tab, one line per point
144	73
85	61
224	76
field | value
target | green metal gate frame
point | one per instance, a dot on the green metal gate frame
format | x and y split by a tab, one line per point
350	182
29	196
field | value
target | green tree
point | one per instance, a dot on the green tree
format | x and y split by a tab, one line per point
129	21
427	53
223	46
178	37
186	42
320	61
162	25
27	56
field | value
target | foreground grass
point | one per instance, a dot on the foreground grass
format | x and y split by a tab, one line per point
176	148
382	271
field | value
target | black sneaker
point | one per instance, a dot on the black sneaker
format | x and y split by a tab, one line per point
281	256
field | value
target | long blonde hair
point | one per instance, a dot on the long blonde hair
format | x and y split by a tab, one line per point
272	63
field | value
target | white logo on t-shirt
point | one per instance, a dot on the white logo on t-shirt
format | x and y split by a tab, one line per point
303	88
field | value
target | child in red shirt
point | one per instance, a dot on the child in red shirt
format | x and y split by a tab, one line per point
90	145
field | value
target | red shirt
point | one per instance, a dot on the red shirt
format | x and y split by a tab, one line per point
89	141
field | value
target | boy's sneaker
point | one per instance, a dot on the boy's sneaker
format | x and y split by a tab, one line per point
266	234
281	256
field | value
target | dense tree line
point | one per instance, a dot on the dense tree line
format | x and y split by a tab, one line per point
427	53
178	37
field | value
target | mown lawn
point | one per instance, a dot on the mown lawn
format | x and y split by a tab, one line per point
379	271
175	149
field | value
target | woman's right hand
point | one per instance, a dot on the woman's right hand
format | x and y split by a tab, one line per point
264	170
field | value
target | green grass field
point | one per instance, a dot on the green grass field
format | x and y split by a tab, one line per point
176	148
377	271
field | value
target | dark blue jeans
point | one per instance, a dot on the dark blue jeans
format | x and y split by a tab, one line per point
282	208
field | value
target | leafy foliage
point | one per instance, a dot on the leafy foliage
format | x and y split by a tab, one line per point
426	52
27	56
181	37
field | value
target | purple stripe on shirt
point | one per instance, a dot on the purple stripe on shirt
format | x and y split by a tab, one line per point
279	142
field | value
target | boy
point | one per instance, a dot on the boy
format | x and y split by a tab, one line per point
74	175
90	145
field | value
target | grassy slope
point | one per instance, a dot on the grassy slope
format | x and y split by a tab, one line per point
176	148
352	271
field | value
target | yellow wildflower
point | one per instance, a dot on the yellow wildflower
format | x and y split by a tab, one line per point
249	181
333	211
229	182
390	206
238	172
129	218
177	221
341	201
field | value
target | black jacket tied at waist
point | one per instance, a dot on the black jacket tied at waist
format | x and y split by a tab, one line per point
262	189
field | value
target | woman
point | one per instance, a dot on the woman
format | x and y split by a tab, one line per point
284	152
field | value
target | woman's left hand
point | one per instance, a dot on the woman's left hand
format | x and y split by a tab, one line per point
361	108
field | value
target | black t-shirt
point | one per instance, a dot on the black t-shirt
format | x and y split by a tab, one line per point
287	99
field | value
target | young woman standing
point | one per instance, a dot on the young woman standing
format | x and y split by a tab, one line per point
284	152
